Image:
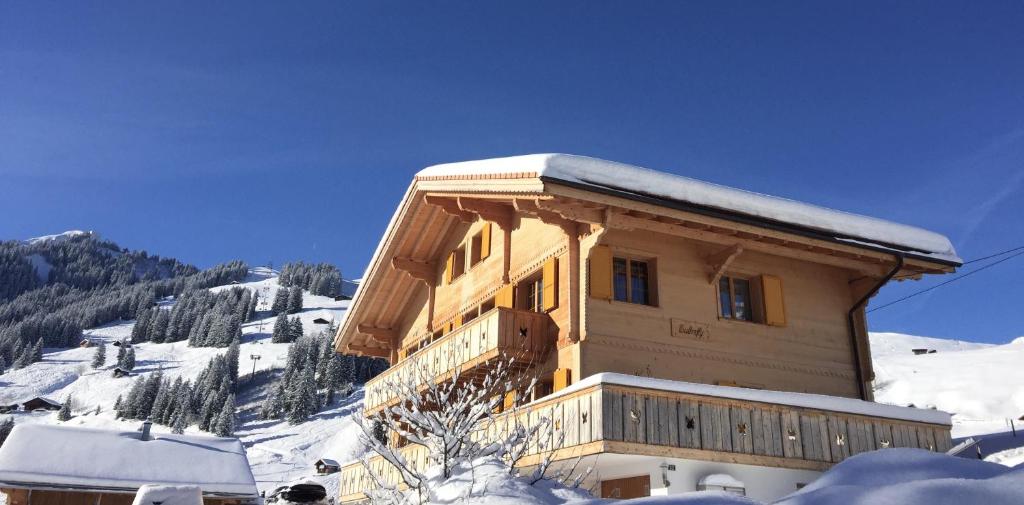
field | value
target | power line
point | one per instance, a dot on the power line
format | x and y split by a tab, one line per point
975	260
994	255
954	279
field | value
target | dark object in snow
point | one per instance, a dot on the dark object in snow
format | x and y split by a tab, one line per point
325	466
41	403
321	320
918	352
7	409
120	372
307	492
341	298
85	343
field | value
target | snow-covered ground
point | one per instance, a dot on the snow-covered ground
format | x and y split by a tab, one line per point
981	384
278	452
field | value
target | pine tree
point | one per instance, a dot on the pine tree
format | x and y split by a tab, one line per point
3	364
232	356
225	426
280	305
179	424
121	349
37	351
295	331
117	406
303	398
140	331
282	330
254	302
159	328
128	361
64	414
100	358
295	300
6	426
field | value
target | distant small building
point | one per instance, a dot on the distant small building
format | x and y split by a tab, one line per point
923	351
85	343
40	402
321	320
340	298
63	465
7	409
121	372
326	466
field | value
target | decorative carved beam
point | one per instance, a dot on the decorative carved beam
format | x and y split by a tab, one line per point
377	352
425	271
450	207
385	336
501	215
573	212
721	260
532	207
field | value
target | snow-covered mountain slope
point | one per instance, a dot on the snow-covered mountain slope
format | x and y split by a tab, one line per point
278	452
59	237
981	384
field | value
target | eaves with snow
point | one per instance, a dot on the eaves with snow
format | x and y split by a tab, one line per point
599	193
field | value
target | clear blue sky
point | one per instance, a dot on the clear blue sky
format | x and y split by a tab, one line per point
222	130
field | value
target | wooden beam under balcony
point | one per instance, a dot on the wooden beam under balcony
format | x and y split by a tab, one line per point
425	271
385	336
377	352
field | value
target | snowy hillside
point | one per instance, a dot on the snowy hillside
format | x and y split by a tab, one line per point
277	451
981	384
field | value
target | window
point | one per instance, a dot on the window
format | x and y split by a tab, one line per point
734	297
534	294
631	281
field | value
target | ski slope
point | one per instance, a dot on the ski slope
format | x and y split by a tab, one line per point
277	452
981	384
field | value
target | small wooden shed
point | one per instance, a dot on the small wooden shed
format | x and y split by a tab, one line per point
85	343
7	409
321	320
326	466
41	402
121	372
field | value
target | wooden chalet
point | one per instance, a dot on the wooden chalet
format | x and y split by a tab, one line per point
41	402
672	323
62	465
326	466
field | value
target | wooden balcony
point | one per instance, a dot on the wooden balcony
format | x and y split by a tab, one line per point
521	334
613	413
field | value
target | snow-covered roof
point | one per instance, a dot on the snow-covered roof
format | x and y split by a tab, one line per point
806	400
621	178
720	480
37	455
44	399
328	462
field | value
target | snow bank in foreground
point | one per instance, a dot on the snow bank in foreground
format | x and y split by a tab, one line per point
168	495
488	482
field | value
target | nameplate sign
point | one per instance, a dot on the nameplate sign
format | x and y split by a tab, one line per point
690	329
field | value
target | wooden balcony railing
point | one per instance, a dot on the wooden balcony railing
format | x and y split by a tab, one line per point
520	334
610	413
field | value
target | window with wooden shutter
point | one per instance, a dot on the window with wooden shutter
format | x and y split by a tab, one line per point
510	400
600	264
458	321
549	300
485	241
449	268
774	307
505	297
562	379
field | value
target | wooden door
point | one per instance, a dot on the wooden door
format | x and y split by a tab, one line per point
626	488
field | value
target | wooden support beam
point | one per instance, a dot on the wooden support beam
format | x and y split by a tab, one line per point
385	336
572	212
497	213
376	352
451	207
721	260
425	271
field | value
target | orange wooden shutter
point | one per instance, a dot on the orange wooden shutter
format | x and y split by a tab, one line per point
504	297
562	379
550	282
774	308
485	241
458	320
510	400
601	272
448	266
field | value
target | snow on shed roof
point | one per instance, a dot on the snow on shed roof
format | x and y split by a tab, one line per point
806	400
85	458
621	177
